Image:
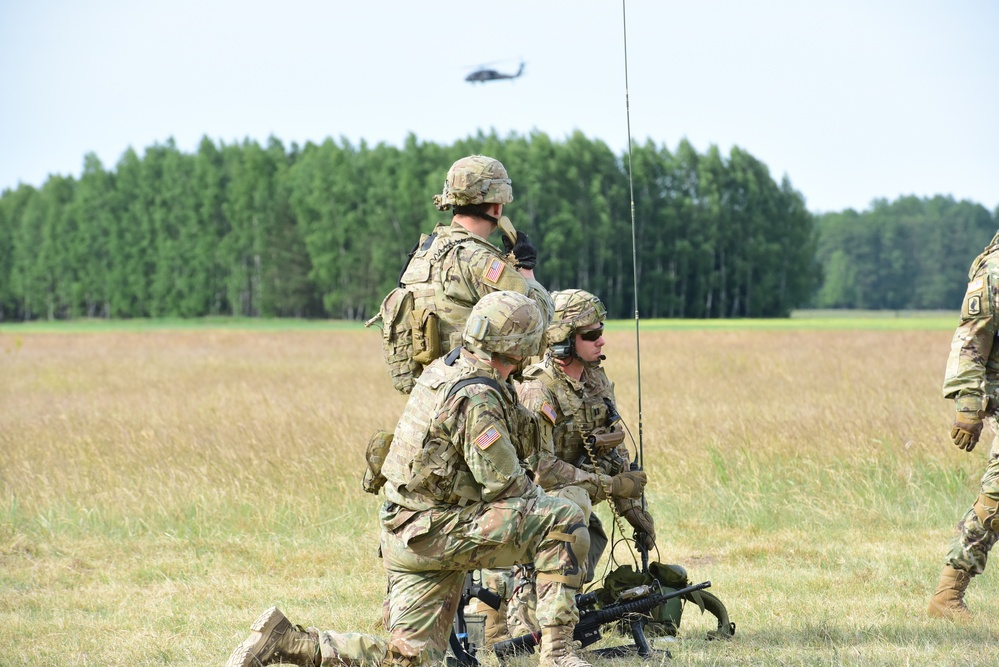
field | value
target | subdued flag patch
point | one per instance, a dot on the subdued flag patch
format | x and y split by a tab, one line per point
494	271
548	411
490	436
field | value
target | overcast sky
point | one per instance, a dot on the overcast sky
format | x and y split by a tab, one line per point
852	100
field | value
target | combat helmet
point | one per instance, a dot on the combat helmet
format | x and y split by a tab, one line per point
476	179
574	309
504	324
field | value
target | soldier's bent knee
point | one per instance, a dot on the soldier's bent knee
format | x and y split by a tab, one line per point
577	545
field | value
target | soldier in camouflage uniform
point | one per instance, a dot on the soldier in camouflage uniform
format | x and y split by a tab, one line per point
574	401
455	266
972	380
458	497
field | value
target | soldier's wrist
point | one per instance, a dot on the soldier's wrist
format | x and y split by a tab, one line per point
970	405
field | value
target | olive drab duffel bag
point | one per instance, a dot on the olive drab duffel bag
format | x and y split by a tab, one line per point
665	619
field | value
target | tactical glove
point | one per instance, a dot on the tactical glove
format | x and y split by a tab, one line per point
639	518
523	250
966	430
628	484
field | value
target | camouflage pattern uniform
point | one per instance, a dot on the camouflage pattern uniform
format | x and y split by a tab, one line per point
458	497
569	410
452	269
972	380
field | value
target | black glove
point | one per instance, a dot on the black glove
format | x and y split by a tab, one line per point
523	250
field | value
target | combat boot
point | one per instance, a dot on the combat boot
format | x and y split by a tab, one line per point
275	639
557	648
948	601
495	627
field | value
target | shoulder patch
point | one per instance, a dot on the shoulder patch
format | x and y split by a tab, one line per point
975	285
548	411
488	437
494	271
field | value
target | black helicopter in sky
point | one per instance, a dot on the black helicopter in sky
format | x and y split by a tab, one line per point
483	74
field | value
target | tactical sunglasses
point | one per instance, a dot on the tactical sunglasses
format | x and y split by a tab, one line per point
592	335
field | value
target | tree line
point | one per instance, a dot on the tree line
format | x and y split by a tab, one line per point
322	230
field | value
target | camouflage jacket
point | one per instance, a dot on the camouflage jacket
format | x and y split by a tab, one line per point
452	269
972	376
568	410
454	447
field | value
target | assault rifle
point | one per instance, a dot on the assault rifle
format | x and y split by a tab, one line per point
461	646
631	606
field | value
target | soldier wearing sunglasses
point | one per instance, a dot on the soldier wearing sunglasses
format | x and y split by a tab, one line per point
574	402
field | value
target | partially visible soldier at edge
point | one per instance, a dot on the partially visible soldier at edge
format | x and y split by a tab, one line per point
458	498
455	266
574	401
972	380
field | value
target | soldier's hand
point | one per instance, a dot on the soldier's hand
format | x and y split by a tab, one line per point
629	484
523	250
967	430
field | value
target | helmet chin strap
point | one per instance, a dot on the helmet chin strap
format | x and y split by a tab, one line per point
475	213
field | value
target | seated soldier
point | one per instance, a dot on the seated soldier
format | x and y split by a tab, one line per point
574	401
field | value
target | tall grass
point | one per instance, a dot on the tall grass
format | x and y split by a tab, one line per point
159	488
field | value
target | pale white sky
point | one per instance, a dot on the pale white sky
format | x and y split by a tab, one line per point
851	99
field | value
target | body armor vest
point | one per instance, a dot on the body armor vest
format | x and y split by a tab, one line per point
583	414
423	278
424	467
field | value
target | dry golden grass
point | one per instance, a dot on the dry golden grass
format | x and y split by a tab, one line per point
160	488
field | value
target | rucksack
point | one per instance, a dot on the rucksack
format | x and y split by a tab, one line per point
410	336
665	619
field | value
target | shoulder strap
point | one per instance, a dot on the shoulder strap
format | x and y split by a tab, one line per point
460	384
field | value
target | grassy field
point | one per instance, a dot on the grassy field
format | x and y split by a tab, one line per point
160	486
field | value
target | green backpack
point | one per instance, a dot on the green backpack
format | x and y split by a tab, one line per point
665	619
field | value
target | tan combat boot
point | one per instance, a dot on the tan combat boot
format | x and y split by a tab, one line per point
557	648
496	628
274	639
948	601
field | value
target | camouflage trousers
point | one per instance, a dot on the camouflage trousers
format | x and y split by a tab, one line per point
427	555
521	615
970	549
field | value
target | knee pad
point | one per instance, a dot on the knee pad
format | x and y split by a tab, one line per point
986	509
577	545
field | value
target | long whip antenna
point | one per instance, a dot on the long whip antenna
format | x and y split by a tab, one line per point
634	264
634	244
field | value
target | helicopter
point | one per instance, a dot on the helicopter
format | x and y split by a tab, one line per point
483	74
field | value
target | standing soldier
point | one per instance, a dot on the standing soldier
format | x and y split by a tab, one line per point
457	498
972	380
455	266
574	401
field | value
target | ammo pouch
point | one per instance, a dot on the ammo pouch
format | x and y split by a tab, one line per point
426	336
440	474
396	313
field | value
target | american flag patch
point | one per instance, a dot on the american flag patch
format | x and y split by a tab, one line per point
491	435
495	270
548	411
975	285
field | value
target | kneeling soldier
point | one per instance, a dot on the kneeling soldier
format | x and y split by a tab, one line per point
458	498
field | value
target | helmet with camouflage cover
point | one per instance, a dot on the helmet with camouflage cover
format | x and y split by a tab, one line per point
574	309
475	179
504	324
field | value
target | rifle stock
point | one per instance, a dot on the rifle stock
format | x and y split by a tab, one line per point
587	630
